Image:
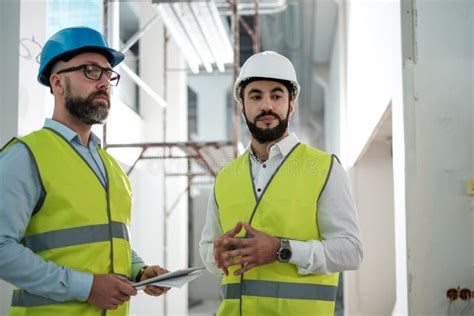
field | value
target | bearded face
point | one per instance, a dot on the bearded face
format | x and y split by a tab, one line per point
269	134
266	106
93	109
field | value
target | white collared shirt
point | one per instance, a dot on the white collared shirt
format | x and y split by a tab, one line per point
340	247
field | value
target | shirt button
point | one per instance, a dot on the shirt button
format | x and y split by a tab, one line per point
258	190
264	165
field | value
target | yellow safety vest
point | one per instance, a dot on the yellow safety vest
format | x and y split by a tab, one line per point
287	208
81	224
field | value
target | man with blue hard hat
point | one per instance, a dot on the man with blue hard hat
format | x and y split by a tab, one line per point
64	201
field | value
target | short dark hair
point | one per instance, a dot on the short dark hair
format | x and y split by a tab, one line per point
292	89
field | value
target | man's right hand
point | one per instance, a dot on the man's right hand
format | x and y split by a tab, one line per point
109	291
223	244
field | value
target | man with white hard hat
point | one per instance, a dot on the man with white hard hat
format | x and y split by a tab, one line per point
64	201
281	223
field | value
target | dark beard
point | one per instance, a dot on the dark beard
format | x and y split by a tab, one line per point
269	134
83	108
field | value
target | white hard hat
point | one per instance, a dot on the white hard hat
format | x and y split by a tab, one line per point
269	65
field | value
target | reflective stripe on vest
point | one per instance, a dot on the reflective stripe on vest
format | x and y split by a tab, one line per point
25	299
75	236
287	208
280	290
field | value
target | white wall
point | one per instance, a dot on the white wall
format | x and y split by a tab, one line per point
334	106
374	80
9	35
373	45
36	102
439	154
432	136
371	290
212	101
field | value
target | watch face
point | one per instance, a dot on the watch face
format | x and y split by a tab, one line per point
285	254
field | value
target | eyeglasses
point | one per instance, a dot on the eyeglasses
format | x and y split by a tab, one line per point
95	72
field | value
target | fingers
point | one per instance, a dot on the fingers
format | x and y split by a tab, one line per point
114	303
152	289
155	290
225	243
237	253
157	270
233	243
234	231
245	268
239	257
250	229
127	289
220	263
238	261
217	253
121	278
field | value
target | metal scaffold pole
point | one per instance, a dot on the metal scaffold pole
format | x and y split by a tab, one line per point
236	69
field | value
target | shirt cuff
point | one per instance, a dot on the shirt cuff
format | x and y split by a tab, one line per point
307	256
135	269
81	285
209	262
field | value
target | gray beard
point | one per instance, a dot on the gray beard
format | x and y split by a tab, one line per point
84	110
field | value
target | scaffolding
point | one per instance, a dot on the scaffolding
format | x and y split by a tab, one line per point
211	155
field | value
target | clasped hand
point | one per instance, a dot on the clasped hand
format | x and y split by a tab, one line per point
259	249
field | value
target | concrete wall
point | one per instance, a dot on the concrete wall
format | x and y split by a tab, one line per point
371	61
432	138
371	290
9	36
439	116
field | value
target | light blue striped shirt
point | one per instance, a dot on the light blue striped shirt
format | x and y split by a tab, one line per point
20	191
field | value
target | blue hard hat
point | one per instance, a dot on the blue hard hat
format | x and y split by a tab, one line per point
72	41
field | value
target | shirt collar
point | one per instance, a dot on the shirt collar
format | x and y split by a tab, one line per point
69	134
283	147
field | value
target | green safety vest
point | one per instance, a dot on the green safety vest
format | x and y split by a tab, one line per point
287	208
81	224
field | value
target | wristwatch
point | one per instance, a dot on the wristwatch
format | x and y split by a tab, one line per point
140	273
284	253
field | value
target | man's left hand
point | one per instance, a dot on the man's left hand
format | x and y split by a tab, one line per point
259	249
151	272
